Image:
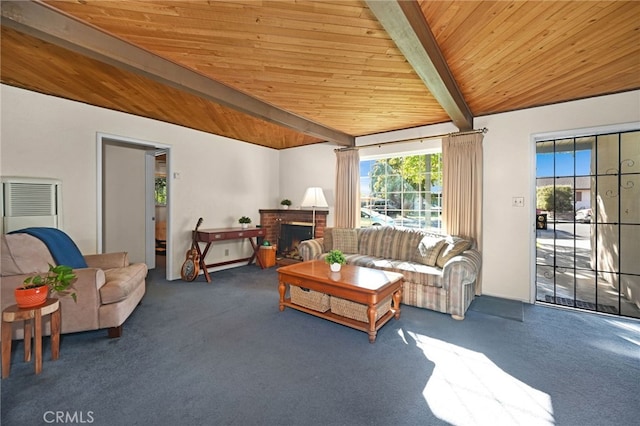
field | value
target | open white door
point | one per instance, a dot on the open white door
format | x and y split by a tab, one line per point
150	209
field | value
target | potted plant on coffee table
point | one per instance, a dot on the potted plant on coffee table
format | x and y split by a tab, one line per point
35	290
244	221
335	259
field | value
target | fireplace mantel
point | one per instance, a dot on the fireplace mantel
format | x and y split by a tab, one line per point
271	219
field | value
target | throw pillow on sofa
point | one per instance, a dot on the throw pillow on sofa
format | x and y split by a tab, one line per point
343	239
454	247
429	249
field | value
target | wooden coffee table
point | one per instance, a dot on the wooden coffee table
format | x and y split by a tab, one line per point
366	286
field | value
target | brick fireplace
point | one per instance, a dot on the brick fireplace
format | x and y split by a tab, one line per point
297	226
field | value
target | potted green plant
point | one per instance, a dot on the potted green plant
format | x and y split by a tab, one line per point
285	203
244	221
335	259
34	290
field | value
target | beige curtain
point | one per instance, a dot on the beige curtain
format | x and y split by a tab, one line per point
462	188
347	208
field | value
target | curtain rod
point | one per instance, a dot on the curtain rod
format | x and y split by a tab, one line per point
425	138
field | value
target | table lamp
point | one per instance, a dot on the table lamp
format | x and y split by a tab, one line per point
314	197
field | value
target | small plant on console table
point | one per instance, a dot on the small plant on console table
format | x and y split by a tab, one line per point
244	221
335	259
285	203
34	290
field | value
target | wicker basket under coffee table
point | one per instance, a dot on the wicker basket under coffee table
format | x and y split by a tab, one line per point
369	297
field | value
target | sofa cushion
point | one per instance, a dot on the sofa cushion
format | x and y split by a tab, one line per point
345	240
24	254
413	272
359	259
429	249
389	242
420	274
121	282
327	240
455	246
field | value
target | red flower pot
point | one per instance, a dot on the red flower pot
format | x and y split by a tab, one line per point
31	297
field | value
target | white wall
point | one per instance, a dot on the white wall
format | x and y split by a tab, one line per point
219	179
308	166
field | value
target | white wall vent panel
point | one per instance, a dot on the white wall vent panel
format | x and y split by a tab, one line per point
31	202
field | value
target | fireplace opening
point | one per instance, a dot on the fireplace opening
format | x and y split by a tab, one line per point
290	236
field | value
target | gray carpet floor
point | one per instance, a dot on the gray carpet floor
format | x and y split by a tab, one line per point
489	305
223	354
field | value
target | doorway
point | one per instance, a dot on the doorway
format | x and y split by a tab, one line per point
588	222
160	208
126	198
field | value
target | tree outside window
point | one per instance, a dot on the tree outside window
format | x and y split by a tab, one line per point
161	191
405	190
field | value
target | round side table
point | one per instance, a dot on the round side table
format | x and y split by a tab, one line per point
12	314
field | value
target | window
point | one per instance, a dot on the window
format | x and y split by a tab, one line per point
161	190
402	191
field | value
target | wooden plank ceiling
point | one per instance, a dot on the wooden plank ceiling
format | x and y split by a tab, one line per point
308	71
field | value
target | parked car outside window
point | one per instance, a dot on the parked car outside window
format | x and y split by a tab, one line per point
369	217
387	207
419	222
584	215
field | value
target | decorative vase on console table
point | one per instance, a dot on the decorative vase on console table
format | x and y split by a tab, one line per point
244	222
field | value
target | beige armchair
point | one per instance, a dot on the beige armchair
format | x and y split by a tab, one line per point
108	290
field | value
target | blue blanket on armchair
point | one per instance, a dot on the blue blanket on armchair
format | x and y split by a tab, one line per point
62	248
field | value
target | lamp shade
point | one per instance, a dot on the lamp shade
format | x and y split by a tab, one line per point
314	197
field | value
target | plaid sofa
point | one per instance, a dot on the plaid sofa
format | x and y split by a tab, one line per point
440	271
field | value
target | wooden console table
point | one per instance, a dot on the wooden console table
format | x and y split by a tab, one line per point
209	236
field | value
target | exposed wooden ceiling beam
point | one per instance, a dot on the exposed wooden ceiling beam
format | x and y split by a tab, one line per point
41	21
404	22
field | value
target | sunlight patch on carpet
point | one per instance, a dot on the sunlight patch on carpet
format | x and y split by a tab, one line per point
468	388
